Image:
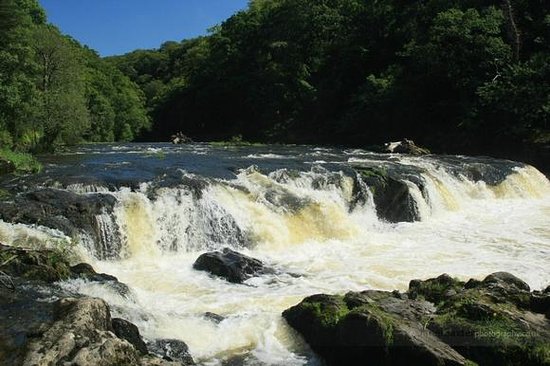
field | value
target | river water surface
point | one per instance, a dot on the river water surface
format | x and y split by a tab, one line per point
295	208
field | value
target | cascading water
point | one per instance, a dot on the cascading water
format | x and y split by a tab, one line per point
311	214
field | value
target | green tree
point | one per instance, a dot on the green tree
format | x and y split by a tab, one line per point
63	117
17	91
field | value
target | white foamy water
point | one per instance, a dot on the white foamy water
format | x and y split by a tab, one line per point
304	226
468	230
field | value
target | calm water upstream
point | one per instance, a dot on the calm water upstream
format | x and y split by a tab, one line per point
296	209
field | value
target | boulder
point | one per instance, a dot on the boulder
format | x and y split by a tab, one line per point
45	265
392	196
405	146
172	350
50	266
215	318
81	334
230	265
439	321
435	290
37	329
370	328
73	214
87	272
128	331
507	280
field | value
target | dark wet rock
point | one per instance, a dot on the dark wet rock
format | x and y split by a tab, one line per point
220	228
22	318
128	331
42	326
6	166
231	265
506	279
483	323
405	146
216	318
286	200
74	214
44	265
87	272
472	283
435	289
371	327
180	138
392	197
171	350
540	302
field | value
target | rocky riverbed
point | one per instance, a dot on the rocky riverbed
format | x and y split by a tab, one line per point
439	321
45	325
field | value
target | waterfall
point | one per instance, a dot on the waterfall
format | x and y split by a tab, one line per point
284	208
339	221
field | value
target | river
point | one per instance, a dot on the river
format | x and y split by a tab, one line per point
296	209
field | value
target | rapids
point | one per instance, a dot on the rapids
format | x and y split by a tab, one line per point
302	210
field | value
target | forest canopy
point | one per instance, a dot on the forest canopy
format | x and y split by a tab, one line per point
457	76
54	91
454	75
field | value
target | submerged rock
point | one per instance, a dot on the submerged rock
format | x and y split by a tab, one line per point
216	318
440	321
87	272
172	350
231	265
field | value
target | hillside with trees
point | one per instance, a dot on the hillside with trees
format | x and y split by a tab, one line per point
54	91
458	76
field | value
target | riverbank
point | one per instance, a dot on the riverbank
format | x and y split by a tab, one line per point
17	162
43	323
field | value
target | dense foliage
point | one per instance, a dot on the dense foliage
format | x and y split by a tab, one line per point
454	75
457	76
53	91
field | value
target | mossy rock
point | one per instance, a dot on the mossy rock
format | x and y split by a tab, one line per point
496	321
435	290
491	322
392	198
370	327
45	265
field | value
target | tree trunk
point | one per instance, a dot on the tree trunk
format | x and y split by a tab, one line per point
514	36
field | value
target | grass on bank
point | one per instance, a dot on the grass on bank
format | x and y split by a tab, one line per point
22	162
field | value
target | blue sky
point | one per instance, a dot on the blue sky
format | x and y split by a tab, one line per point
114	27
